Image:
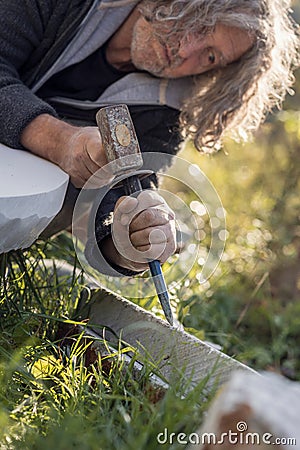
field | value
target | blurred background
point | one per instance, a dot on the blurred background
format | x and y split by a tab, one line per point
251	305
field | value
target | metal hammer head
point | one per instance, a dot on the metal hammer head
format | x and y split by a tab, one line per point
119	139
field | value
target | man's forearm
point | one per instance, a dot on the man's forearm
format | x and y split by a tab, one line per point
76	150
46	136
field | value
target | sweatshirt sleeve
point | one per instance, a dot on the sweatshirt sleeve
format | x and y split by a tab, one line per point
22	26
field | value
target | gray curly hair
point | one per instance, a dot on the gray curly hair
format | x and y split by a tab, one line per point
235	98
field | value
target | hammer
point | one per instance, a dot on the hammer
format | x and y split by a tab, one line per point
123	152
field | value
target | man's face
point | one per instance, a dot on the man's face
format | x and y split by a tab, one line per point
174	58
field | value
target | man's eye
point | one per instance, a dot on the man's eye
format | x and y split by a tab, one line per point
211	58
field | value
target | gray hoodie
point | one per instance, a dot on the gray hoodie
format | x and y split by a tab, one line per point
39	38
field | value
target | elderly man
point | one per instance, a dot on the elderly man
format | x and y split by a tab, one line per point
61	60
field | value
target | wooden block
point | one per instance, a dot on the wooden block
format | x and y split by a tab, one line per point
177	353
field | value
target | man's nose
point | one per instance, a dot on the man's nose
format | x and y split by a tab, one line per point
190	45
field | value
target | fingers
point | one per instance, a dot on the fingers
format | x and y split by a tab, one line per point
151	235
85	156
79	168
125	206
158	241
130	207
151	217
144	227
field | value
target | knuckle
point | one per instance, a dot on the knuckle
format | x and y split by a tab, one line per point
148	216
77	155
128	204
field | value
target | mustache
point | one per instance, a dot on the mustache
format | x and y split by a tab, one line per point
171	48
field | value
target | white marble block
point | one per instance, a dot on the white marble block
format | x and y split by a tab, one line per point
32	191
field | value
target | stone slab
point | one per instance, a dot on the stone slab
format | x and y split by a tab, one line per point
32	191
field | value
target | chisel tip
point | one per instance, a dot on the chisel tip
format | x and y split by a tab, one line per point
165	303
161	289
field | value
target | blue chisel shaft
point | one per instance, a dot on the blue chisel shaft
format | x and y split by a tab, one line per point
132	184
161	289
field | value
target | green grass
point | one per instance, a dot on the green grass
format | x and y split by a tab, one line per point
50	395
53	397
